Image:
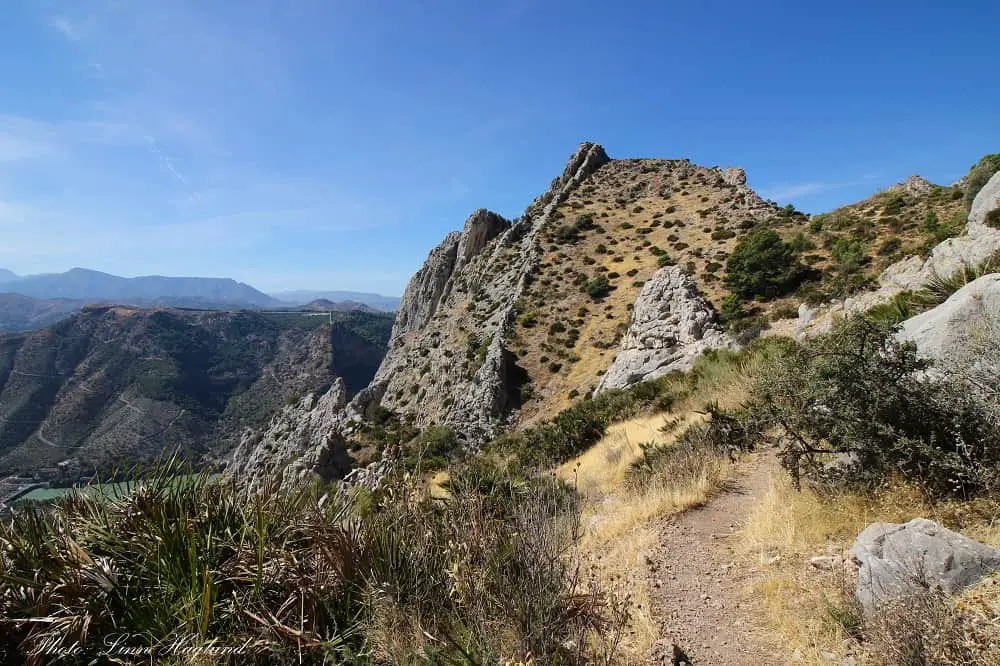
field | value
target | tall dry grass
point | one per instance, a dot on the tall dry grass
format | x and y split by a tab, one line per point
811	609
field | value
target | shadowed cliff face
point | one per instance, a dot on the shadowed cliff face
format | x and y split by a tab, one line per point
116	385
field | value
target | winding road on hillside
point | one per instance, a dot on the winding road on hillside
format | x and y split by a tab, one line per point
698	584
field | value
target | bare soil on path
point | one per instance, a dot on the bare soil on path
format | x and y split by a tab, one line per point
698	583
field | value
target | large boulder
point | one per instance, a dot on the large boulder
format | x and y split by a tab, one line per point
672	324
950	331
900	560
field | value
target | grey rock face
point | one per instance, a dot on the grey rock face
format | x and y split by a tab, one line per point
948	331
987	200
494	263
914	185
898	560
424	292
481	227
734	176
302	439
672	324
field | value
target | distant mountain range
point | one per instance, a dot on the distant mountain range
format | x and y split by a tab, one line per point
28	302
376	301
89	285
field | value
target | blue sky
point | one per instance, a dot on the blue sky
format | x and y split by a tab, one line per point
331	143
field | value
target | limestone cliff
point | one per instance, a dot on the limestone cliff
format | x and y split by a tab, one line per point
448	359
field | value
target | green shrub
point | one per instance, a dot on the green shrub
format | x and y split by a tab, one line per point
763	266
893	203
856	407
992	218
849	253
598	287
890	246
802	243
931	223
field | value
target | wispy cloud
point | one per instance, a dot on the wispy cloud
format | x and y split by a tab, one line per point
70	30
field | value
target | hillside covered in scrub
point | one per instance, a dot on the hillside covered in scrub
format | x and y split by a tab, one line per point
114	386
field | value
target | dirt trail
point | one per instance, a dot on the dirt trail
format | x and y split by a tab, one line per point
697	583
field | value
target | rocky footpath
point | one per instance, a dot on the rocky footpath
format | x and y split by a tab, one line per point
672	324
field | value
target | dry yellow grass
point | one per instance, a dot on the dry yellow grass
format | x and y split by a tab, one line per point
619	521
787	527
602	468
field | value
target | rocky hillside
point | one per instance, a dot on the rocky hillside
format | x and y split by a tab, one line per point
23	313
526	315
623	270
113	384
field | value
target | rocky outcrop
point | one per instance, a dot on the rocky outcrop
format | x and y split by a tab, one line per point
734	176
948	331
302	439
899	560
448	360
672	324
424	292
916	185
481	228
977	244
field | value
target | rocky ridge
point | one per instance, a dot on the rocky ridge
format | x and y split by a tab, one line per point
121	385
457	352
